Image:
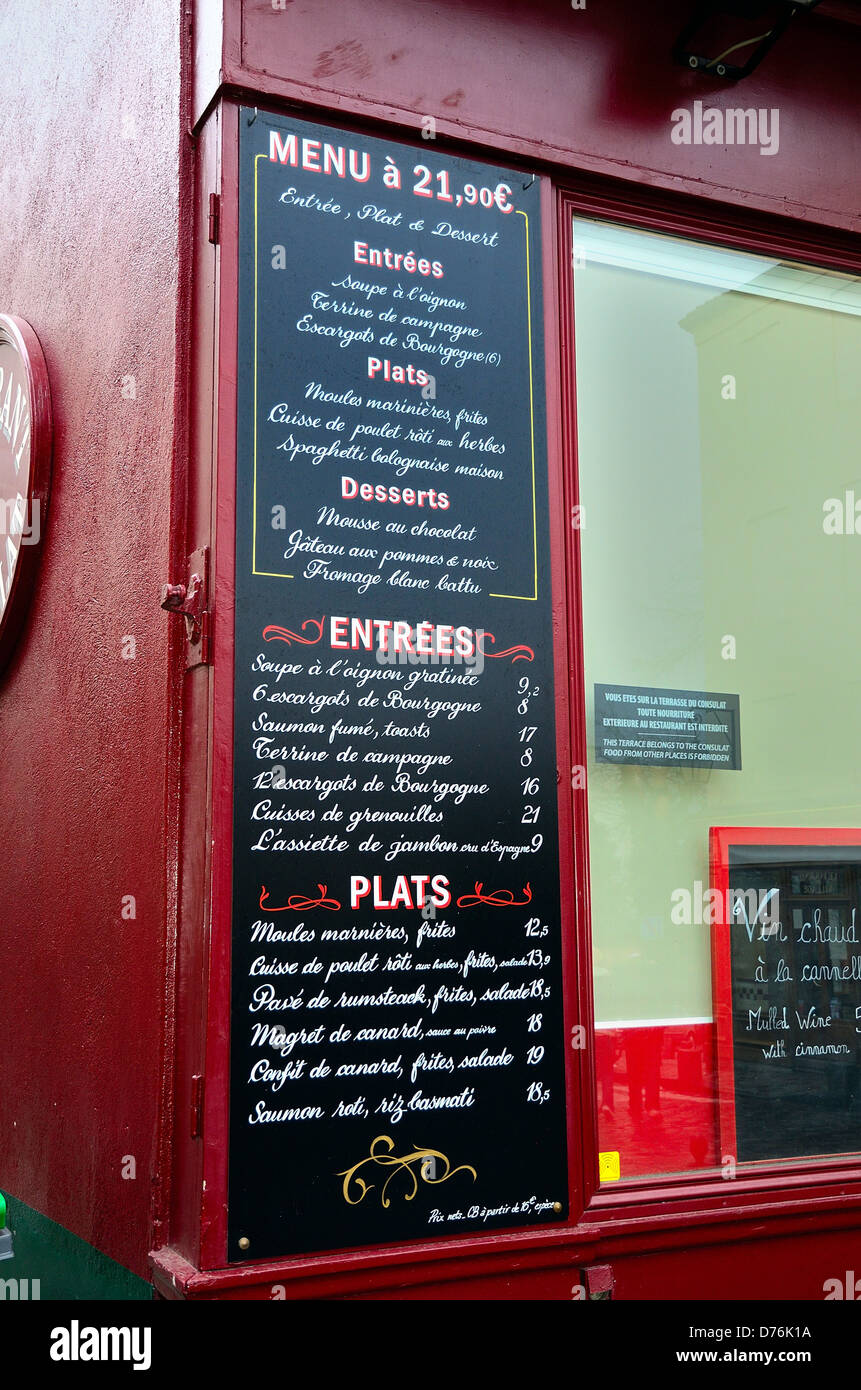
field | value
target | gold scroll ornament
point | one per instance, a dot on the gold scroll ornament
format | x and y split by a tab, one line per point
424	1158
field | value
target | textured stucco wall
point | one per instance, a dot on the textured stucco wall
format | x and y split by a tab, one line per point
89	195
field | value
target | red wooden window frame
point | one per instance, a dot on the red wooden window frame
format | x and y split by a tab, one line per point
788	1186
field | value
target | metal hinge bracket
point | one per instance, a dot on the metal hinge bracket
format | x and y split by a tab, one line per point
196	1106
192	601
213	219
599	1282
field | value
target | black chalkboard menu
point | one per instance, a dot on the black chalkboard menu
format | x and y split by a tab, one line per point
397	1048
791	1016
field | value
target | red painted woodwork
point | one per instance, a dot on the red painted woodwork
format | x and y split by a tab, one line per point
760	1269
213	1235
595	88
88	256
790	1263
181	1153
115	776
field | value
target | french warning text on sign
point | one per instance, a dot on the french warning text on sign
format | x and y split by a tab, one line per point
647	726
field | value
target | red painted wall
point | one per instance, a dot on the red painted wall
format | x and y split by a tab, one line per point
88	255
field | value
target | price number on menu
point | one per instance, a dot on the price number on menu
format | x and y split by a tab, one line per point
471	194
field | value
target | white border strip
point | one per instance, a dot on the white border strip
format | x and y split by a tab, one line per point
653	1023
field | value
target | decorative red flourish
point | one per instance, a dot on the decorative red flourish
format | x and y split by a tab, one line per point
274	633
521	653
297	903
500	897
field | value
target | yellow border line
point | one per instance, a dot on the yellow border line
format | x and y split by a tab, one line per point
529	598
272	574
268	574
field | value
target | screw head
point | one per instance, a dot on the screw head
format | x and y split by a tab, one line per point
557	1206
244	1243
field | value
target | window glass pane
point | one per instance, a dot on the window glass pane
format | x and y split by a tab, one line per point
718	417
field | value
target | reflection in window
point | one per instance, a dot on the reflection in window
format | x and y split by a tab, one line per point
718	409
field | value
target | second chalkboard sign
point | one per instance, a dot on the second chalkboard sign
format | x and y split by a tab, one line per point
787	984
397	1044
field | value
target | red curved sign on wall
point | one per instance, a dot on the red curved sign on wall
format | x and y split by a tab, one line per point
25	471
